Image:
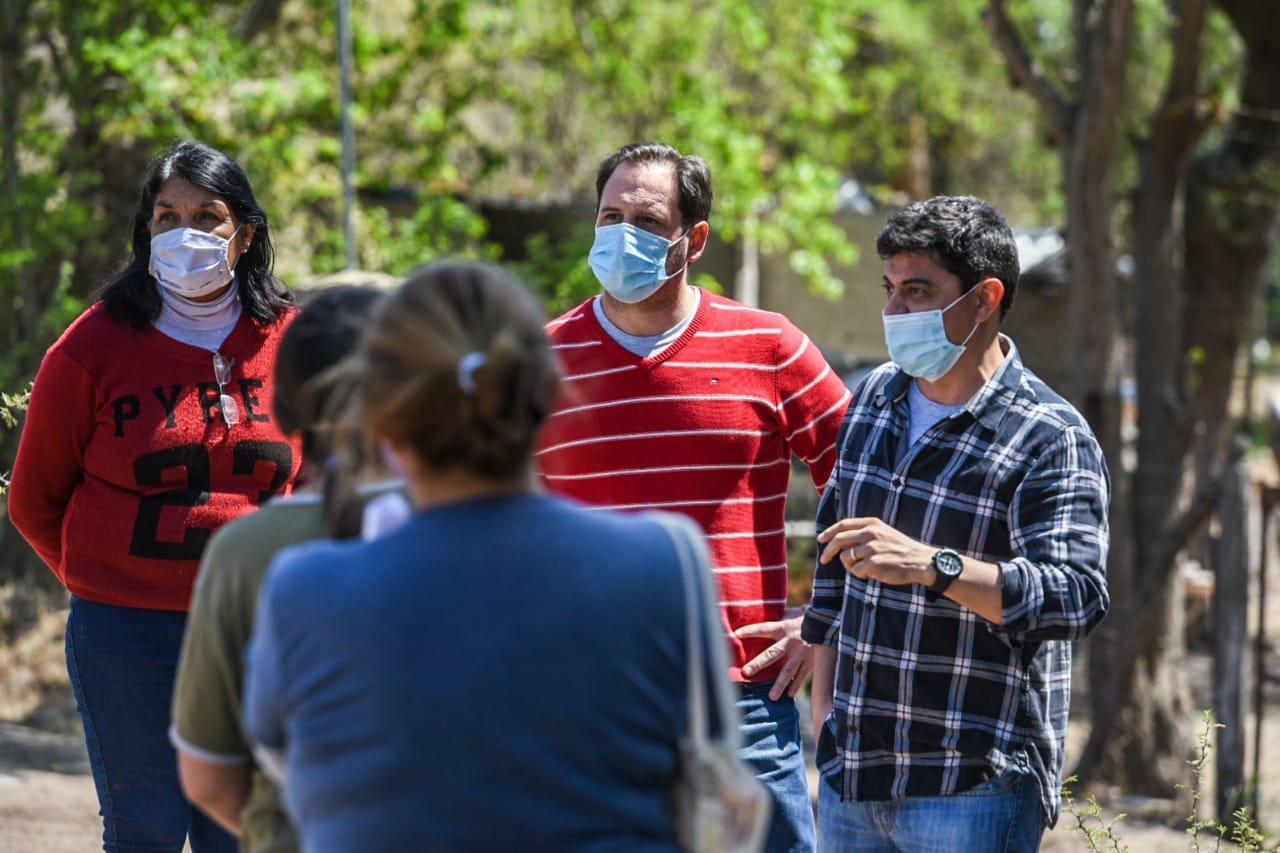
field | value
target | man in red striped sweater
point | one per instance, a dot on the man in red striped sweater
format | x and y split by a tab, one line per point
680	400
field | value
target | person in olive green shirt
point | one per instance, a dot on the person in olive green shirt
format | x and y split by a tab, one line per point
215	758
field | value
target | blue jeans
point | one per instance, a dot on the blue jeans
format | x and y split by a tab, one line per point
771	745
1001	815
122	663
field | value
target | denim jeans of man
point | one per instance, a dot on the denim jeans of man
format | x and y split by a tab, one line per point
122	663
771	745
1002	815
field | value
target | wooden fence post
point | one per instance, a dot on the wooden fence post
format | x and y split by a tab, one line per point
1269	497
1230	633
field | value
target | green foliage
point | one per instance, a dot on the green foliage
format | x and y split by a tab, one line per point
1244	831
441	227
558	272
785	101
1196	825
11	406
1098	833
459	101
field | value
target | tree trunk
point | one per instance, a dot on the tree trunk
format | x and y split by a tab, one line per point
1229	227
1095	316
1149	696
1232	202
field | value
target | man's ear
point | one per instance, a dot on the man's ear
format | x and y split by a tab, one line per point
698	235
990	295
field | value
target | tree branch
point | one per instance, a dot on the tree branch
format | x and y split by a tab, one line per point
1187	44
1181	529
1183	111
1024	71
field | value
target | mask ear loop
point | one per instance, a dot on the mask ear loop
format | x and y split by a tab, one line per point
227	254
972	331
672	245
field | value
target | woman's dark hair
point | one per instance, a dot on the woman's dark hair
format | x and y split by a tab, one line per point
457	369
313	393
131	295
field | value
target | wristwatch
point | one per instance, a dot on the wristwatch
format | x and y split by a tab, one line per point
948	565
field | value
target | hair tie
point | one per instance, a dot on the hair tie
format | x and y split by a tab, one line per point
467	367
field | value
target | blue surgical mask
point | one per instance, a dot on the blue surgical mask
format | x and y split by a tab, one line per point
918	342
631	263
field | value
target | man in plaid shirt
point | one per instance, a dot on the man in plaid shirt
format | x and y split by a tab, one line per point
964	537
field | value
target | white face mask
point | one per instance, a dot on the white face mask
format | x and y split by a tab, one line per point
189	262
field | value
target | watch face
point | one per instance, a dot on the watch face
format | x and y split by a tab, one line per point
948	563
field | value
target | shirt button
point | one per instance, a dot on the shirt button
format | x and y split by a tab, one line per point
857	667
869	605
897	482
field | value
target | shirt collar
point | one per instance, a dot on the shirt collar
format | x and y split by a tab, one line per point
996	396
993	399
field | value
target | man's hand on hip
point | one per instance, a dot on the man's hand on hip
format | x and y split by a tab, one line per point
789	647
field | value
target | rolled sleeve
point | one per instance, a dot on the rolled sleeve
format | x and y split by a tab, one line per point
1055	587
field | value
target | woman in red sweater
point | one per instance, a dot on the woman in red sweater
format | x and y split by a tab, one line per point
150	426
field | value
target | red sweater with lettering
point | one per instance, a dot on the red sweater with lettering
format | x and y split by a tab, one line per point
705	428
126	466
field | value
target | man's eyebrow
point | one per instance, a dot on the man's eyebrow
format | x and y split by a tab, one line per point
653	208
915	279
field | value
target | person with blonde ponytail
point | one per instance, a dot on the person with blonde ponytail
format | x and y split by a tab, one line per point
507	670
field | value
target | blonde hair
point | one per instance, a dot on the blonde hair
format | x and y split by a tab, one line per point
457	369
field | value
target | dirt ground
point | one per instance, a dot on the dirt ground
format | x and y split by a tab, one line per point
47	802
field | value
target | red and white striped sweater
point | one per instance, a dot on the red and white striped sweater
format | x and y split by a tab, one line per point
706	428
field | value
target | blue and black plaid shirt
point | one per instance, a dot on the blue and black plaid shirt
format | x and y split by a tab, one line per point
930	698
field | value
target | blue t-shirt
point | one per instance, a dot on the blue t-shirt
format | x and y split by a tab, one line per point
500	673
924	413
